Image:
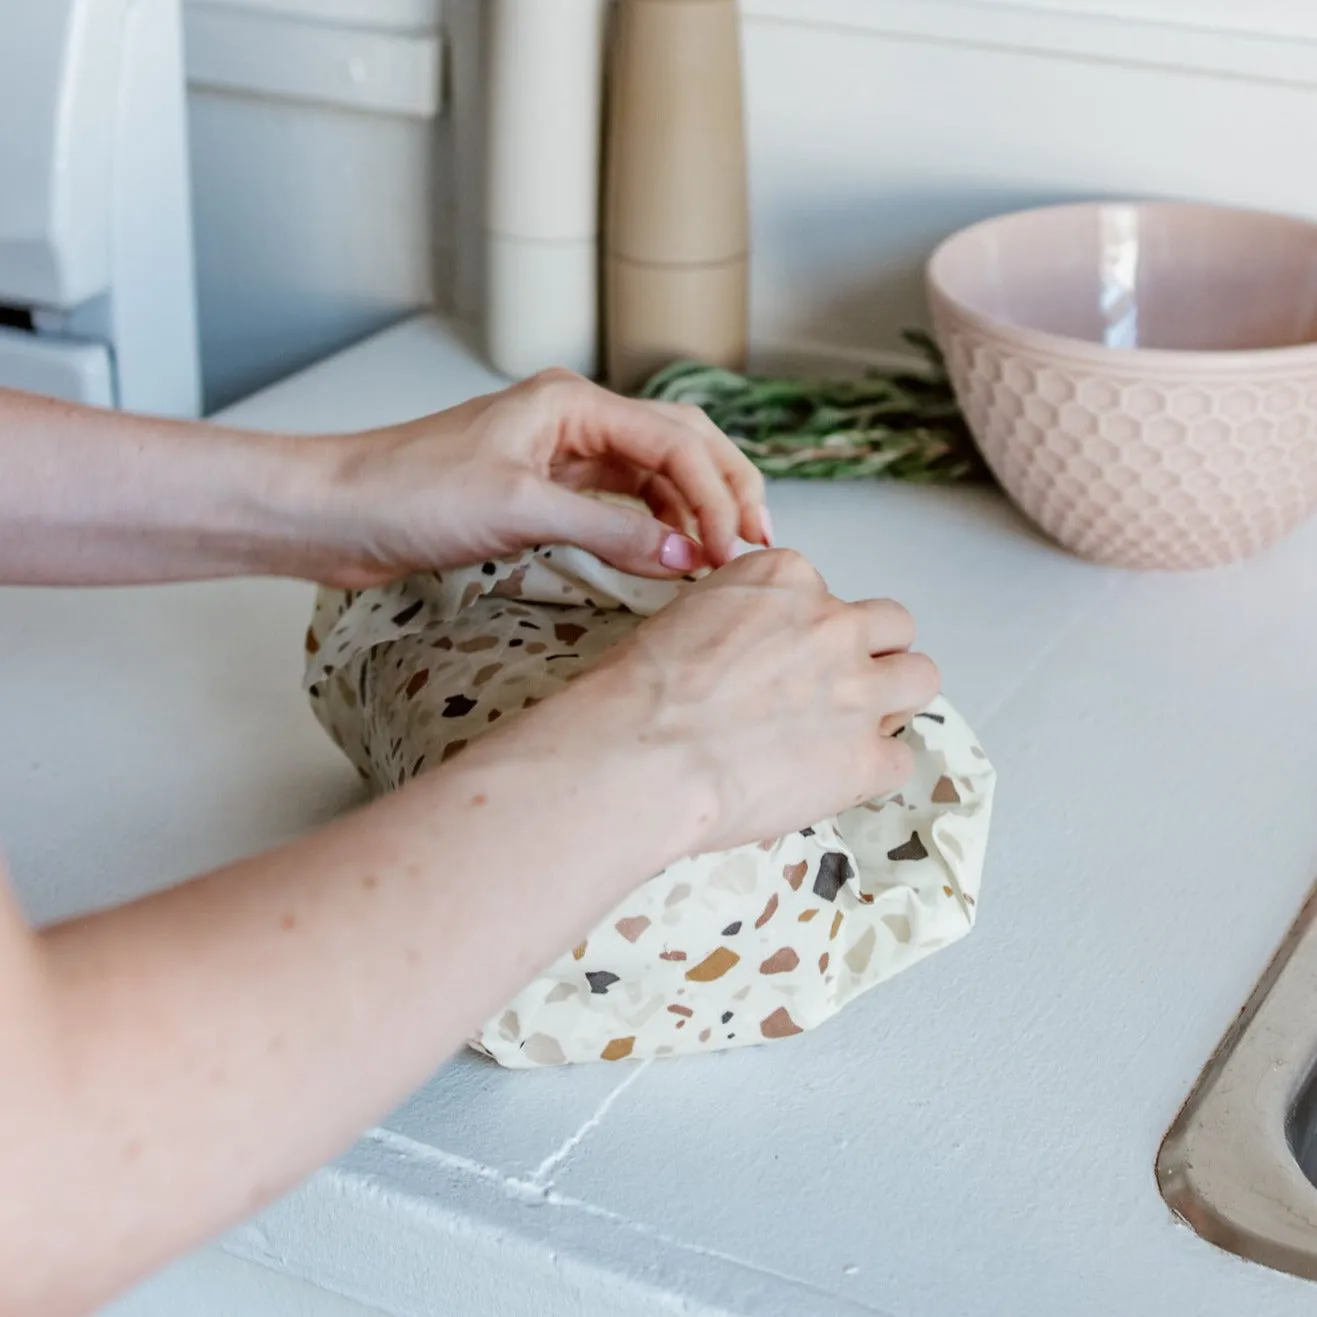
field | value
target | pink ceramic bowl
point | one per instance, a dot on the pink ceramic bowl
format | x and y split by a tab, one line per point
1141	377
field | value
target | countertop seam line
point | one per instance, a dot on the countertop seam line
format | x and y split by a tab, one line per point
542	1176
1053	643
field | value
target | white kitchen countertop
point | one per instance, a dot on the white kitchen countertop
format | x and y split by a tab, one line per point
976	1137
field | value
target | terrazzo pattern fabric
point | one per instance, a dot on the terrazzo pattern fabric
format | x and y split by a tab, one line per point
717	951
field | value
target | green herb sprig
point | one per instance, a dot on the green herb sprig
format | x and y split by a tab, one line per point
891	425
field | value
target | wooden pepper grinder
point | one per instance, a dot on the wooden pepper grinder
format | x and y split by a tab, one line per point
676	212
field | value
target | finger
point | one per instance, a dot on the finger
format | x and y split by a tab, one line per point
608	477
658	493
895	723
649	435
741	475
885	626
894	767
664	500
628	539
691	470
904	682
884	765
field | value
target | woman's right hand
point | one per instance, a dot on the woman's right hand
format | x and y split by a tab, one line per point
320	983
770	699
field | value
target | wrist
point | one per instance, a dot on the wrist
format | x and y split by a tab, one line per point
591	749
298	508
352	510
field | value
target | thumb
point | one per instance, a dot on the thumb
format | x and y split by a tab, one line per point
626	538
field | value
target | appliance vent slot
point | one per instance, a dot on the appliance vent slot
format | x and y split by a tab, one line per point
16	317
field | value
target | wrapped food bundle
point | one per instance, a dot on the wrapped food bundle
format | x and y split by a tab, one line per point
722	950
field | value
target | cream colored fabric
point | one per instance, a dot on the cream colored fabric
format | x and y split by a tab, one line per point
717	951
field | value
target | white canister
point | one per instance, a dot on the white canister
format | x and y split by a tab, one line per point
545	81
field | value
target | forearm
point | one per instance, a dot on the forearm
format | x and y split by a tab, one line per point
214	1044
91	497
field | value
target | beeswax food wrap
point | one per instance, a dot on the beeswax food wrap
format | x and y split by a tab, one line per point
717	951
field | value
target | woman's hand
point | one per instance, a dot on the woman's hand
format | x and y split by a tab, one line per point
89	497
319	983
763	702
506	471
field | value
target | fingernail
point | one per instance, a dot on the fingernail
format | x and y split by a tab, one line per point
677	553
766	524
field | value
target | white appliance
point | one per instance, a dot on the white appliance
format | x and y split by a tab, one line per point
97	301
321	175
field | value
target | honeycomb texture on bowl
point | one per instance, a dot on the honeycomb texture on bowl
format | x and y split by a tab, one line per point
1155	472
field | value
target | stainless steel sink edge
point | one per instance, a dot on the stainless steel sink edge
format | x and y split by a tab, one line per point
1229	1165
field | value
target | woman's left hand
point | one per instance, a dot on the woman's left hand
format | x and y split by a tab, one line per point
509	470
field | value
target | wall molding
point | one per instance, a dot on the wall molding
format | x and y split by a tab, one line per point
1270	42
391	15
1287	19
257	51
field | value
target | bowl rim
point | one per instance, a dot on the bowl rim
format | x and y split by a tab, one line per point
1192	360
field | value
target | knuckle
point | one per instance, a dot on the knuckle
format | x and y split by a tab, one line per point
786	567
747	479
556	375
555	382
836	625
684	464
923	675
897	613
893	625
